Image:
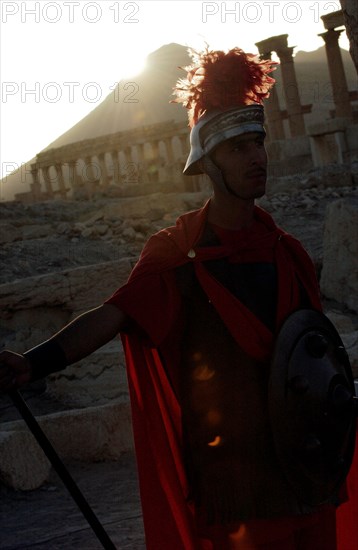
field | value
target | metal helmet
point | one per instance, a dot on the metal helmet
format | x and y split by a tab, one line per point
217	126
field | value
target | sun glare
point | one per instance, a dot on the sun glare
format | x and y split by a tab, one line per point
132	66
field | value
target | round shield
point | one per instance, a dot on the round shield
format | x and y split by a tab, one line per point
312	406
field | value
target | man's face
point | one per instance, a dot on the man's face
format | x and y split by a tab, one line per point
243	163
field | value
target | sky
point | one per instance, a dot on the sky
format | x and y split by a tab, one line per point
60	59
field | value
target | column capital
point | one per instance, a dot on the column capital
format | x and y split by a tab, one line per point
285	54
266	55
331	36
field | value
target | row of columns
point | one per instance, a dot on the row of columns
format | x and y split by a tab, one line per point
136	171
275	116
294	110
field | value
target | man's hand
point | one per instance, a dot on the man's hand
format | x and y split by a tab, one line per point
82	336
15	370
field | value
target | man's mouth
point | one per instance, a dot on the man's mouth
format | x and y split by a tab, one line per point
256	173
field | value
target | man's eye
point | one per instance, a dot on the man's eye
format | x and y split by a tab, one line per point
238	147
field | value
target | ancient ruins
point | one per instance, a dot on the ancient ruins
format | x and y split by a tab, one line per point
143	160
63	256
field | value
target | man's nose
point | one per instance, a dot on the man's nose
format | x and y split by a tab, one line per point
256	154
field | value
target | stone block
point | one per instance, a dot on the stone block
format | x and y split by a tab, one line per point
95	380
139	207
9	233
91	434
23	465
36	231
333	20
342	323
339	280
43	290
349	336
74	290
90	285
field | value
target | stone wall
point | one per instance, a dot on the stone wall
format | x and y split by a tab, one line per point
339	279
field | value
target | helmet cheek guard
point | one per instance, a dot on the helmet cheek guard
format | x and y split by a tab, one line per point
217	126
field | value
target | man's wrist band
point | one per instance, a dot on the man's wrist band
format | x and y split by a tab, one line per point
45	359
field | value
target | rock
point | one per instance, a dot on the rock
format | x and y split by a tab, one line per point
95	218
342	323
140	237
102	229
64	228
129	233
108	235
339	279
95	380
92	434
142	226
9	233
345	327
23	471
142	207
79	227
87	232
308	202
36	231
90	285
74	290
28	328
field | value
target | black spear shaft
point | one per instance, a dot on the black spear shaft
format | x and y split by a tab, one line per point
62	471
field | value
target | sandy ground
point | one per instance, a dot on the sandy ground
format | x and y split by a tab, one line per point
48	518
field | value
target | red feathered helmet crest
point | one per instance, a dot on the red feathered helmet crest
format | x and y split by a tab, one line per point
219	80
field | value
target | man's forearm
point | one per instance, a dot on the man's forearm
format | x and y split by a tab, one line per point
90	331
80	338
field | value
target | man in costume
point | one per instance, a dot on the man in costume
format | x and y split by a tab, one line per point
198	318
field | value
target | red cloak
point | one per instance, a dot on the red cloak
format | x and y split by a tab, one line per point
151	298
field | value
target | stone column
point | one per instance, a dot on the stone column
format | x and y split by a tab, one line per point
272	106
130	167
169	149
90	175
142	163
153	165
116	170
48	184
290	88
337	74
90	178
274	117
72	173
127	153
35	186
104	178
61	182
